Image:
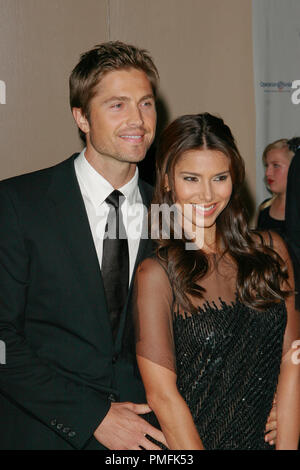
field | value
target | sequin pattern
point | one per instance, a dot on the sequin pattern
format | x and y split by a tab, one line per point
228	362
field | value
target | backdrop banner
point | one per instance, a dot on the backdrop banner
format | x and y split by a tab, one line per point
276	50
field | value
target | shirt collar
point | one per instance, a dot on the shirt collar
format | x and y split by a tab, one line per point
98	188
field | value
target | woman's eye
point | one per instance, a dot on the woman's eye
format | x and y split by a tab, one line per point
190	178
221	178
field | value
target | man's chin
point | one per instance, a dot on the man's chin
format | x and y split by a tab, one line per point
134	155
133	158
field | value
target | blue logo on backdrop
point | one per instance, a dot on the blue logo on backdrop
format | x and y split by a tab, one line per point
276	86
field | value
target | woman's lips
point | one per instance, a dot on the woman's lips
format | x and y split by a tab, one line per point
205	210
270	181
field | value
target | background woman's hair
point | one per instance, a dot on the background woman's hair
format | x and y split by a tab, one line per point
294	144
260	271
277	144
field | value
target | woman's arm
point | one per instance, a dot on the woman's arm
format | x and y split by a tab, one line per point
169	407
288	399
288	390
153	307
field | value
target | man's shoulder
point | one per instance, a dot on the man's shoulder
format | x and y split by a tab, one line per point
36	181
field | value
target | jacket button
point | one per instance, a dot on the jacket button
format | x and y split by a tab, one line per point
112	397
72	434
65	430
115	358
59	426
53	422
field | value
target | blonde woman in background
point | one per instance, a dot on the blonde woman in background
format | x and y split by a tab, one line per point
280	213
277	158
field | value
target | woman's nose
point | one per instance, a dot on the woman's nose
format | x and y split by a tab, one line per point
268	170
206	193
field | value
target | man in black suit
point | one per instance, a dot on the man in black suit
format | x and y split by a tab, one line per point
69	380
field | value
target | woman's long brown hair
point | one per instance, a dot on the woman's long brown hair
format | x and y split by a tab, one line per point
261	272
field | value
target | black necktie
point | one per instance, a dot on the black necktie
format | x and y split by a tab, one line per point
115	260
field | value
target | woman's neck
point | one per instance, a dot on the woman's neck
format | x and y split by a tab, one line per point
280	198
277	209
210	244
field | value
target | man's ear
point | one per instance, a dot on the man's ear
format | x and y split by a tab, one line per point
81	120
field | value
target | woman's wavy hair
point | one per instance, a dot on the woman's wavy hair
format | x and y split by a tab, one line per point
261	272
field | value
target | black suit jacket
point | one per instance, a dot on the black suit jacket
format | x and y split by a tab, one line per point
62	367
292	219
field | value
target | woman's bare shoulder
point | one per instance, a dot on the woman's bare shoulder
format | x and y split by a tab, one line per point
152	267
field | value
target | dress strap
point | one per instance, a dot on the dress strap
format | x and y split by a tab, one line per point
271	239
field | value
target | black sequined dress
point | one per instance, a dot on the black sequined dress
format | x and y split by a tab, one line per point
228	362
226	356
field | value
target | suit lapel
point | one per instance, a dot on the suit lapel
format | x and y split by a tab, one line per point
72	222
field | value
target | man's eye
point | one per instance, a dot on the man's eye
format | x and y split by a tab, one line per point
117	105
147	104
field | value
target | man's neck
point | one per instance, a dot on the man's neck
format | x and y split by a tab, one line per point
115	172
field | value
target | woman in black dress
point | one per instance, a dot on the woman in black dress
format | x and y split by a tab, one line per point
214	308
281	212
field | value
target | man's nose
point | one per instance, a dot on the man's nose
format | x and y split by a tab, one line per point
135	117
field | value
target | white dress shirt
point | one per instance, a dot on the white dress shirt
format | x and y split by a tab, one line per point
95	189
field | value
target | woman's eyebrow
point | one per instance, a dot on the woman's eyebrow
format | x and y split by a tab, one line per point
199	174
